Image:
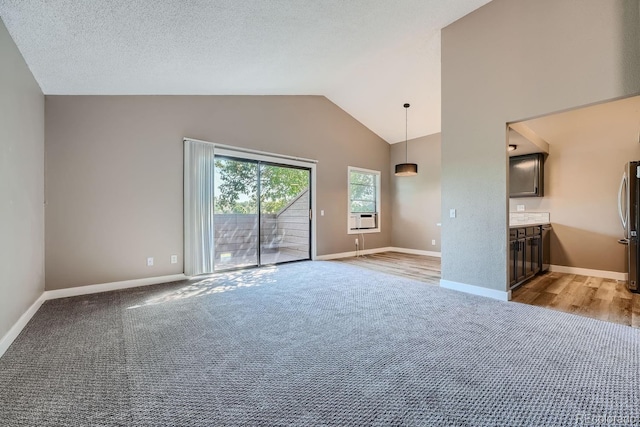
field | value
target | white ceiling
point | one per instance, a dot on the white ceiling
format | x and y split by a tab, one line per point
367	56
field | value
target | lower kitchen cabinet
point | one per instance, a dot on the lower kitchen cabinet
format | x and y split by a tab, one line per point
525	254
534	252
516	262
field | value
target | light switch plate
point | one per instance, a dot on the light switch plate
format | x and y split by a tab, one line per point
433	242
452	213
174	259
150	262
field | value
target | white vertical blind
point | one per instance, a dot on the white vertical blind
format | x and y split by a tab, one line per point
198	208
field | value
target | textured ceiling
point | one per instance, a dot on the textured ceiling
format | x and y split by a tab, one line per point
367	56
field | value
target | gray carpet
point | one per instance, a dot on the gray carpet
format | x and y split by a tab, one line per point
312	344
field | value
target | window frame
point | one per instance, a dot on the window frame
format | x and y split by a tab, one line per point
377	176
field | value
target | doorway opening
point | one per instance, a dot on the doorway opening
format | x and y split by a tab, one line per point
590	156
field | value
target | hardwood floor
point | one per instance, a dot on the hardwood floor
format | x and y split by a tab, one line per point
594	297
417	267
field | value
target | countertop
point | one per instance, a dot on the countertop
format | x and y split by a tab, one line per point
535	224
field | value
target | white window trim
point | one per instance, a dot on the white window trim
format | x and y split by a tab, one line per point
378	201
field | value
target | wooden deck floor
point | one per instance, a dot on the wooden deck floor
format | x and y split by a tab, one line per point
593	297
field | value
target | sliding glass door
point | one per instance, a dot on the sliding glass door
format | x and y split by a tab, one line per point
261	213
235	213
285	204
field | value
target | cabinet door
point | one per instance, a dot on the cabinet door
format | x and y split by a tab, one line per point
532	255
529	257
535	254
520	260
513	250
526	175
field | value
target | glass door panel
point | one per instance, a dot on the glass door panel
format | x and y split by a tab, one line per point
235	213
285	201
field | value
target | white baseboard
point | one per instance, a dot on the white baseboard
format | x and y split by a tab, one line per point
615	275
476	290
376	251
416	252
113	286
352	254
15	330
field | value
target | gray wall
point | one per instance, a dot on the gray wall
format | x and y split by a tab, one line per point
114	174
415	200
21	185
508	61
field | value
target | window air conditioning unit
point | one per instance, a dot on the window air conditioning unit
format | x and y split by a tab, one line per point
363	221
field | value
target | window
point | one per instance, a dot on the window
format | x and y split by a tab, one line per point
364	201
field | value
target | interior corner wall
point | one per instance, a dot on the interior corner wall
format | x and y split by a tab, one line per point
507	61
415	200
21	185
114	167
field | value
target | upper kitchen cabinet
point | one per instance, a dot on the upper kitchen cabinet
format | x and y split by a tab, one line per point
526	176
527	152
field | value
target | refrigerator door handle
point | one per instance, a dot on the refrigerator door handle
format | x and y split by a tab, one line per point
622	194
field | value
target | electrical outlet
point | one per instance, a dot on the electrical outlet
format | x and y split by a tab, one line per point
174	259
356	242
322	212
150	261
520	208
433	242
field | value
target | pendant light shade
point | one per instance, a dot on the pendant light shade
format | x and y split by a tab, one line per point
406	168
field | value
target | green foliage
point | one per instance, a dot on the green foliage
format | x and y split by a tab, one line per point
363	191
238	180
245	207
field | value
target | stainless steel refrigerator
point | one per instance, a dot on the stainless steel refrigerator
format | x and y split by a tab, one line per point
628	199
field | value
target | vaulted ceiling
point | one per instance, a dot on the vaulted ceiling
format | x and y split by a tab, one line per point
367	56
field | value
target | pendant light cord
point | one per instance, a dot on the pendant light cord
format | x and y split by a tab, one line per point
406	133
406	144
406	168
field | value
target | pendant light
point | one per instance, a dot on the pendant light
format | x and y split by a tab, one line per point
406	168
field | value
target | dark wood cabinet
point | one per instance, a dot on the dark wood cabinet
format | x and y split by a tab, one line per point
525	254
517	257
526	176
512	263
534	252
